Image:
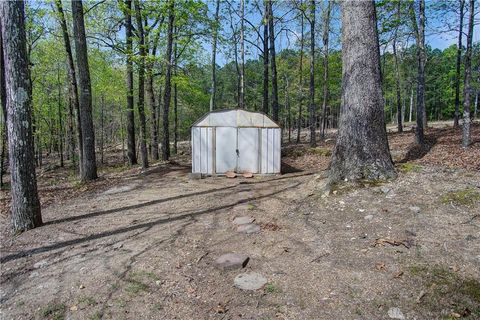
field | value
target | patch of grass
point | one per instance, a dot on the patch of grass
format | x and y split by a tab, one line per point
250	207
447	288
85	301
96	316
409	167
465	197
53	311
136	286
143	274
321	151
271	288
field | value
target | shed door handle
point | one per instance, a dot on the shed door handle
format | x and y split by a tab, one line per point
238	152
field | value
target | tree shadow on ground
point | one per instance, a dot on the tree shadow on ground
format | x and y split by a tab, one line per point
286	168
181	216
416	151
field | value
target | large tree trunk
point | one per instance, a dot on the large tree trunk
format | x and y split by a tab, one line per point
152	103
141	87
312	116
398	87
361	150
411	106
265	54
300	81
25	204
326	33
168	79
214	56
459	62
242	55
468	79
89	171
60	120
72	86
175	98
3	101
419	30
273	63
131	153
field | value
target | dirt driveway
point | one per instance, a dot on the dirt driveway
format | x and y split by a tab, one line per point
145	248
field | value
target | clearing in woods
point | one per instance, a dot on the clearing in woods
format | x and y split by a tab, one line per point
143	245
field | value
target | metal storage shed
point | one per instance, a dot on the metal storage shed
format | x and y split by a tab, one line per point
235	140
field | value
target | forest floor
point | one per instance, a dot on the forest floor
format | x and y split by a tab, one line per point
142	245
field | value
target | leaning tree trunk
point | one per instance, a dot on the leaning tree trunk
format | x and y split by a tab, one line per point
468	79
459	62
89	171
131	154
25	204
168	82
312	117
72	85
273	63
361	150
141	86
214	56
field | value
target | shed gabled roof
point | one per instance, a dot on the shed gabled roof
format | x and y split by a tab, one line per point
235	118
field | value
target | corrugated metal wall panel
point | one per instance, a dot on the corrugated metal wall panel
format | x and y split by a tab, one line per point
202	150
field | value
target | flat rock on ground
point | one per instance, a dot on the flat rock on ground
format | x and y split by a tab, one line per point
248	228
243	220
250	281
231	261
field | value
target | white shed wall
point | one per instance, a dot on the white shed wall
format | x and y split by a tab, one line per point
270	150
202	150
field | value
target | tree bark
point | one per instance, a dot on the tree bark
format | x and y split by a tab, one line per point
273	63
141	86
168	80
3	101
152	103
89	171
242	55
468	79
411	106
214	56
60	120
265	106
175	99
361	150
300	79
419	30
72	85
326	33
398	87
459	62
131	153
312	116
25	203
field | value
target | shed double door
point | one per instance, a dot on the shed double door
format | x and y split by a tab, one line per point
236	149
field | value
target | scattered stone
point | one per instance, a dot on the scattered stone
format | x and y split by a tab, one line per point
194	176
395	313
414	209
230	174
248	228
368	217
250	281
385	189
248	175
243	220
40	264
232	261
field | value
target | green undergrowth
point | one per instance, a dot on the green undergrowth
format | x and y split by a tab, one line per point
447	291
463	197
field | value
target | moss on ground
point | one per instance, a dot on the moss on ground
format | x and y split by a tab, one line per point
409	167
446	290
53	311
464	197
